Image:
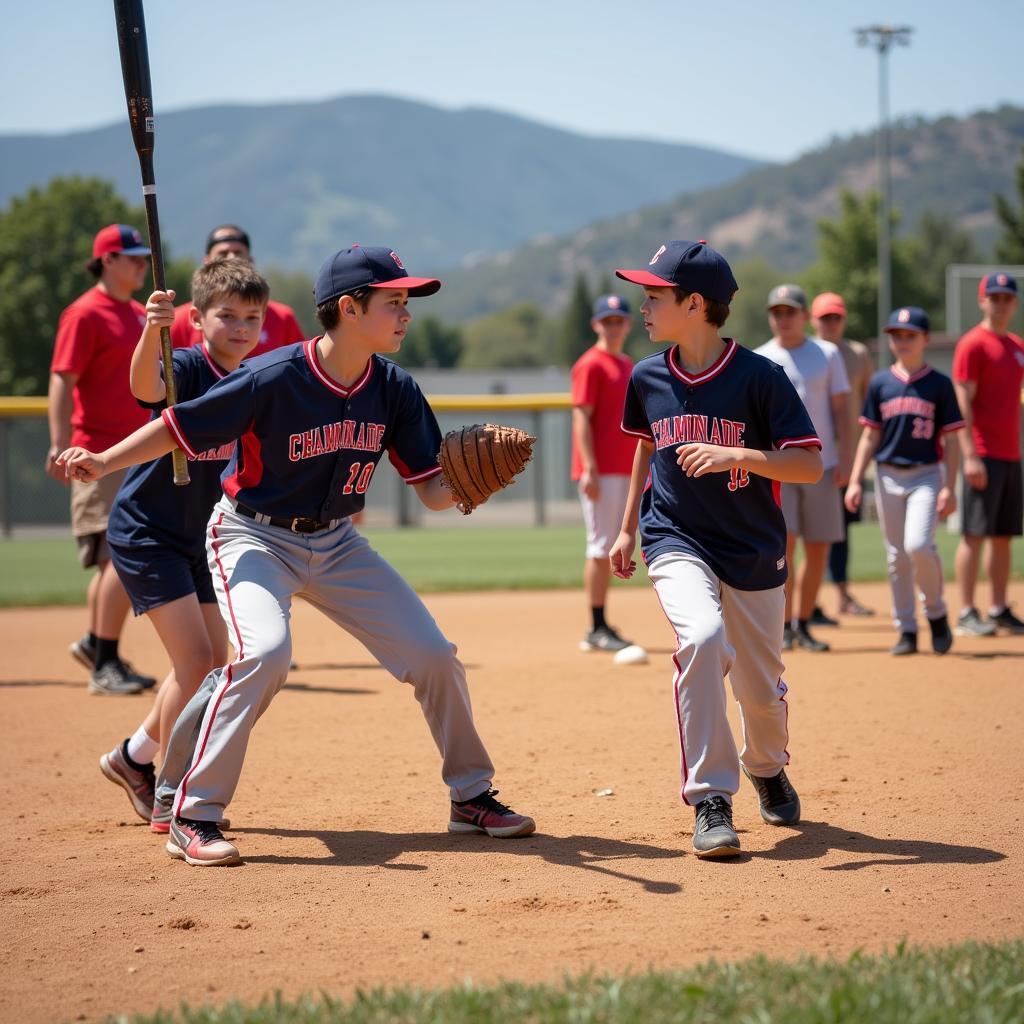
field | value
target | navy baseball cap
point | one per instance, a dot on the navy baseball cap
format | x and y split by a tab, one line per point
908	318
120	238
998	283
611	305
375	266
692	266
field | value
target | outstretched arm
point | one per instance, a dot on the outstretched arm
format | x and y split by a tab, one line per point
147	443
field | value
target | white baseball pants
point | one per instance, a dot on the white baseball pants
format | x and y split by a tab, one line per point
722	631
906	501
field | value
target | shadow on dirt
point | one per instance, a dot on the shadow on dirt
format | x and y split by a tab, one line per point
812	839
589	853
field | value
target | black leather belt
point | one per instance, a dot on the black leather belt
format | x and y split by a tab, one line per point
300	524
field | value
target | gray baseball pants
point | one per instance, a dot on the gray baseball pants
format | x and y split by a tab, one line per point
257	570
721	631
906	500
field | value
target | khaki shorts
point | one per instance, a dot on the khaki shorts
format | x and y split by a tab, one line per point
90	509
603	517
811	510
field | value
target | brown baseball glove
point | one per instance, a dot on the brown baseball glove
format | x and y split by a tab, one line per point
476	461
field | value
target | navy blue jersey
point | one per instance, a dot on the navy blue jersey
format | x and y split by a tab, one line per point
732	521
306	445
913	413
149	508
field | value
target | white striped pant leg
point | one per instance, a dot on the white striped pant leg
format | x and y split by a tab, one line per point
753	624
181	746
690	595
255	573
891	502
356	588
922	518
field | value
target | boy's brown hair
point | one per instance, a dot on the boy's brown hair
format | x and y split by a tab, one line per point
327	312
715	312
228	277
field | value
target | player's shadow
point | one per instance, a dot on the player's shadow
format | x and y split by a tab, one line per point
343	691
24	683
813	839
372	849
350	666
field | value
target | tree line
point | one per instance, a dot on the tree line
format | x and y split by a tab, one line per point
46	238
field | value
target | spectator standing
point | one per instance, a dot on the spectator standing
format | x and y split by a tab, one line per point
988	368
90	404
602	456
828	317
815	368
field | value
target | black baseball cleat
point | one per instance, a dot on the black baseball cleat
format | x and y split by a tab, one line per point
1007	621
787	638
819	618
907	644
777	798
713	834
802	638
942	635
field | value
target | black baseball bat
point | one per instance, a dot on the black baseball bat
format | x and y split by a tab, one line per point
138	92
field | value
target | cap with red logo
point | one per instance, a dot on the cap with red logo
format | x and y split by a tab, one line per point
692	266
374	266
908	318
997	283
828	304
611	305
120	238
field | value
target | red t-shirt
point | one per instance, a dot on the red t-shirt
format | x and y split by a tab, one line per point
279	328
600	380
96	337
995	363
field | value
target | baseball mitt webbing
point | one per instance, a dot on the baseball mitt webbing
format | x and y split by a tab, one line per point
480	459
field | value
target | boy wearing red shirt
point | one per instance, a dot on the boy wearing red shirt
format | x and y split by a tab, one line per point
91	405
602	455
988	368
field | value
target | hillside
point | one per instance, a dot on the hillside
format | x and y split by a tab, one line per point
307	178
951	166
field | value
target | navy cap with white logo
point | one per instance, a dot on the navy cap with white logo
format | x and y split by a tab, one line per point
611	305
998	283
692	266
372	266
908	318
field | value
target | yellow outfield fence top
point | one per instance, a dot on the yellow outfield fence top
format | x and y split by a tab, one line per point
14	407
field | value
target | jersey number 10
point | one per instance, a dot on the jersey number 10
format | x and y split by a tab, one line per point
359	485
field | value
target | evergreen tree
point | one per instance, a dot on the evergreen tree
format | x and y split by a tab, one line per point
430	342
1010	247
577	334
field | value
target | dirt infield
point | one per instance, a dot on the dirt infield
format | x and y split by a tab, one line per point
908	772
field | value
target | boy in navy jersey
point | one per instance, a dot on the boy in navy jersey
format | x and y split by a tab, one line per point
719	429
313	420
908	410
157	531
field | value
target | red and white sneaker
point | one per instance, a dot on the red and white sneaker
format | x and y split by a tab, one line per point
200	843
485	814
138	782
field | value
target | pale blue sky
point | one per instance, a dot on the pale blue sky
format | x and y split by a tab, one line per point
771	80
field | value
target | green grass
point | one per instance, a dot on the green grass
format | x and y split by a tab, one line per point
41	572
952	985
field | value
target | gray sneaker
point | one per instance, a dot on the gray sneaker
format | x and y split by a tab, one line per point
138	783
778	800
970	623
83	652
113	679
713	834
603	639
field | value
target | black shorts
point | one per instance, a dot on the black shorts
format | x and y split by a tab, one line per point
156	574
997	511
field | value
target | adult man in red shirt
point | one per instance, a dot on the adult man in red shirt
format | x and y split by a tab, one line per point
988	368
280	326
602	455
91	404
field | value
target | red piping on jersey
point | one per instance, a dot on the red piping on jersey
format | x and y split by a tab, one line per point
239	647
637	433
958	425
314	362
712	371
217	371
405	473
865	422
906	378
799	442
171	422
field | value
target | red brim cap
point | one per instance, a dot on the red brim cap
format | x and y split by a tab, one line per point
418	286
645	278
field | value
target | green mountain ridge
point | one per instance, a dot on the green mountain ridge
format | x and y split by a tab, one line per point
308	178
951	166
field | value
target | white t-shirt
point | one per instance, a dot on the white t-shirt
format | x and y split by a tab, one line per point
816	370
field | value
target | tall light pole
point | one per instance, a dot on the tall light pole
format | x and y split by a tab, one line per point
883	38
